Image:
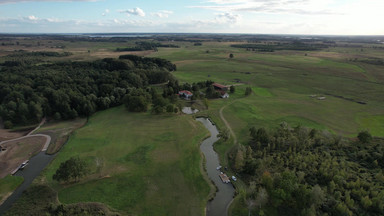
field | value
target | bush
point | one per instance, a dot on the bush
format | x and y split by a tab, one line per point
364	137
8	125
73	168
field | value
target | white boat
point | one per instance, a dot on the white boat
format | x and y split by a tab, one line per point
24	164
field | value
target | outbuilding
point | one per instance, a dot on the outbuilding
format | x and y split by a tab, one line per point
185	94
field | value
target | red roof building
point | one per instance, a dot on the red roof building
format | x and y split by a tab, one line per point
218	86
185	93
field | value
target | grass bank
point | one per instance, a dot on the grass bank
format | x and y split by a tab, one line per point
141	164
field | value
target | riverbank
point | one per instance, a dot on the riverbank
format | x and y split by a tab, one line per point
224	195
139	163
33	147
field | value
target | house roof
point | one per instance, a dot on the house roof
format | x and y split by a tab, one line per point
223	92
219	85
185	92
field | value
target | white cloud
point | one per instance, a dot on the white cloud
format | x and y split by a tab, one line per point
105	12
303	7
32	18
19	1
228	17
162	14
135	11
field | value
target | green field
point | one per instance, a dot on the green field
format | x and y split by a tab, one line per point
282	83
141	164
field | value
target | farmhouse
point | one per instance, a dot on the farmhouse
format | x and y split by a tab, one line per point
224	94
185	94
220	87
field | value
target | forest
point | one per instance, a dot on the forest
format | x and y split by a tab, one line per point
295	45
302	171
30	90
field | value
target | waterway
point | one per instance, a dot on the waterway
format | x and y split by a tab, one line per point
29	173
219	205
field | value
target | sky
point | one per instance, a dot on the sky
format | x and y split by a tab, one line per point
310	17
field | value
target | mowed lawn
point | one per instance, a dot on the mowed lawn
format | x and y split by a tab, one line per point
282	83
141	164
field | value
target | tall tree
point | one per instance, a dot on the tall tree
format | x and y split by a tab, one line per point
73	168
364	137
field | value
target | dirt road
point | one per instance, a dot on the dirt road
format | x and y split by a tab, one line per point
227	124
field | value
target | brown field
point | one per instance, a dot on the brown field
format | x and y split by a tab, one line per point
8	135
17	152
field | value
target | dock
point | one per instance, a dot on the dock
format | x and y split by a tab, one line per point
15	171
22	166
224	178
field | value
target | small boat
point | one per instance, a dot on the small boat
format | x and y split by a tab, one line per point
224	178
218	168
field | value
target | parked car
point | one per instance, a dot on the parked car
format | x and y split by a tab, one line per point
234	178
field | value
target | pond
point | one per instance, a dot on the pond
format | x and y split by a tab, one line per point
189	110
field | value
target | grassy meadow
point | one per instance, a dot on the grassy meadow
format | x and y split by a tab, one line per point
282	83
141	164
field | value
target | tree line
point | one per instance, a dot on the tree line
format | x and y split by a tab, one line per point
145	45
295	45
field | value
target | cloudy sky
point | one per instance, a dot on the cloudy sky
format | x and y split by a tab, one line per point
326	17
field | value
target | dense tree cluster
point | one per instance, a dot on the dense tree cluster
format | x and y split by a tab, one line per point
145	45
22	53
66	90
301	171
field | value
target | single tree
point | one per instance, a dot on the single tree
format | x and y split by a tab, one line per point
231	55
224	134
239	160
317	196
364	137
206	102
262	197
73	168
232	89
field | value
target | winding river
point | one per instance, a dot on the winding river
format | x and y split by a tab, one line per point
216	207
219	205
29	173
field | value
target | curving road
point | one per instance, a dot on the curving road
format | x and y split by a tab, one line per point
30	134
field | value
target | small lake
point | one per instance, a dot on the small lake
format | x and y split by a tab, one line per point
219	205
189	110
